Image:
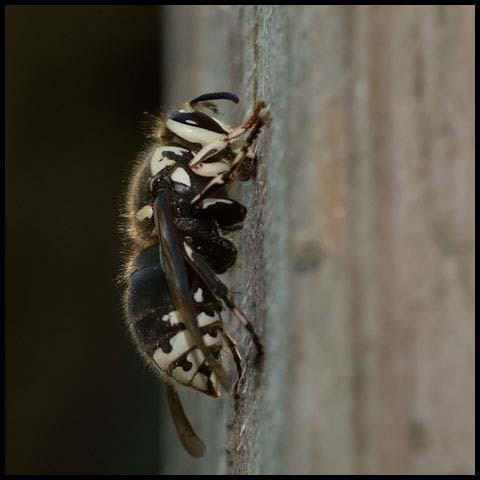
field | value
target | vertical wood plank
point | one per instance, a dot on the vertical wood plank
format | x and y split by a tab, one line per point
356	260
321	368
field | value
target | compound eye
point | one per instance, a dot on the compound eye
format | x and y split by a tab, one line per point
197	119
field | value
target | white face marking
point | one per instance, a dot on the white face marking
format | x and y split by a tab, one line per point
198	295
188	250
159	161
191	133
181	343
171	318
144	212
181	176
212	201
203	319
210	169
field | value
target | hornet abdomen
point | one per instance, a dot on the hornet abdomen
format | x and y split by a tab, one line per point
158	331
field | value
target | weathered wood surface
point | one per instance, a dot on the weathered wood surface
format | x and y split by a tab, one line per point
357	258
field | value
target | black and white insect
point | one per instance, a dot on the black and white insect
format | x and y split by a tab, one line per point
177	211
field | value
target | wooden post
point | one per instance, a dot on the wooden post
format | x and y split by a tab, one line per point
356	261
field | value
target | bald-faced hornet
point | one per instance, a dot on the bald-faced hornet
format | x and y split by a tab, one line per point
176	211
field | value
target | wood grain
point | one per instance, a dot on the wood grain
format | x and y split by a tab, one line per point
357	257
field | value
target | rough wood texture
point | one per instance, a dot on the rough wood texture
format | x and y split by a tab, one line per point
356	261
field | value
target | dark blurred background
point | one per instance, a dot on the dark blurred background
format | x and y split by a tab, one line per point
78	79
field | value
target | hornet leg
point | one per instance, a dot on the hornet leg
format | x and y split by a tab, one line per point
218	145
223	177
232	346
220	290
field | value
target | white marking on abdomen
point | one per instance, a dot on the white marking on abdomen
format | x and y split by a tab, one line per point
144	212
182	376
159	161
200	382
198	295
181	343
203	319
171	318
196	358
209	340
212	201
181	176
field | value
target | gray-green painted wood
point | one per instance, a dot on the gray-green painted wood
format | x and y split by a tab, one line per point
356	260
